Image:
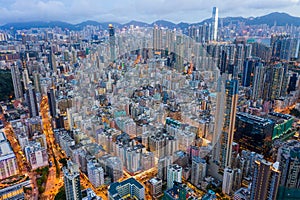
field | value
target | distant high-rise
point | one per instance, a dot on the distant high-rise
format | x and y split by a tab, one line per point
198	170
284	47
239	56
231	53
25	76
32	102
174	174
72	181
36	81
52	102
265	180
193	33
157	39
267	83
112	42
247	51
258	81
16	78
231	91
52	60
215	21
204	33
293	82
223	64
279	81
248	69
179	53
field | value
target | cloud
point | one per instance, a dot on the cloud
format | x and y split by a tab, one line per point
75	11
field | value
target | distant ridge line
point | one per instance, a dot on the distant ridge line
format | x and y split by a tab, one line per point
280	19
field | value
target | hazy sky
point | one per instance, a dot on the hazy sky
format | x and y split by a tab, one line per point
75	11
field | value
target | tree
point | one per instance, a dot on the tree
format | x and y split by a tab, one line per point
6	85
61	195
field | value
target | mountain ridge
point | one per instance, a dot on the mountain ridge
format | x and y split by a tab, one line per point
280	19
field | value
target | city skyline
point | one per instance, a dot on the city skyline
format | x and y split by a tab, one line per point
122	11
108	111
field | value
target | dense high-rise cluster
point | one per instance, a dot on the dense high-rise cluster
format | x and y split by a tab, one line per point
149	112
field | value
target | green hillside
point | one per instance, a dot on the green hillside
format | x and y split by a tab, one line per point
6	85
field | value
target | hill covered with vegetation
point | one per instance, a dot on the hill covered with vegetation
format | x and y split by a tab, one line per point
6	85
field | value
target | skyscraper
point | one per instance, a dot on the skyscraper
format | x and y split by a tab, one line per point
223	64
157	39
253	132
25	76
52	102
267	83
95	174
293	82
219	116
192	32
249	66
239	56
155	186
231	93
52	60
198	170
112	42
215	21
289	159
174	174
163	164
231	52
258	81
247	51
31	101
16	78
179	51
265	180
227	180
36	81
279	81
72	181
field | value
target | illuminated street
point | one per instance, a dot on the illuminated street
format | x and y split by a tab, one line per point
155	104
54	181
23	165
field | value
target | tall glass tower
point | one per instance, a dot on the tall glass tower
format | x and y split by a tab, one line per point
112	42
231	93
72	181
215	21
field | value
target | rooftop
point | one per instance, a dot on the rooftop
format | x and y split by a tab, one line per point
5	148
113	188
154	180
